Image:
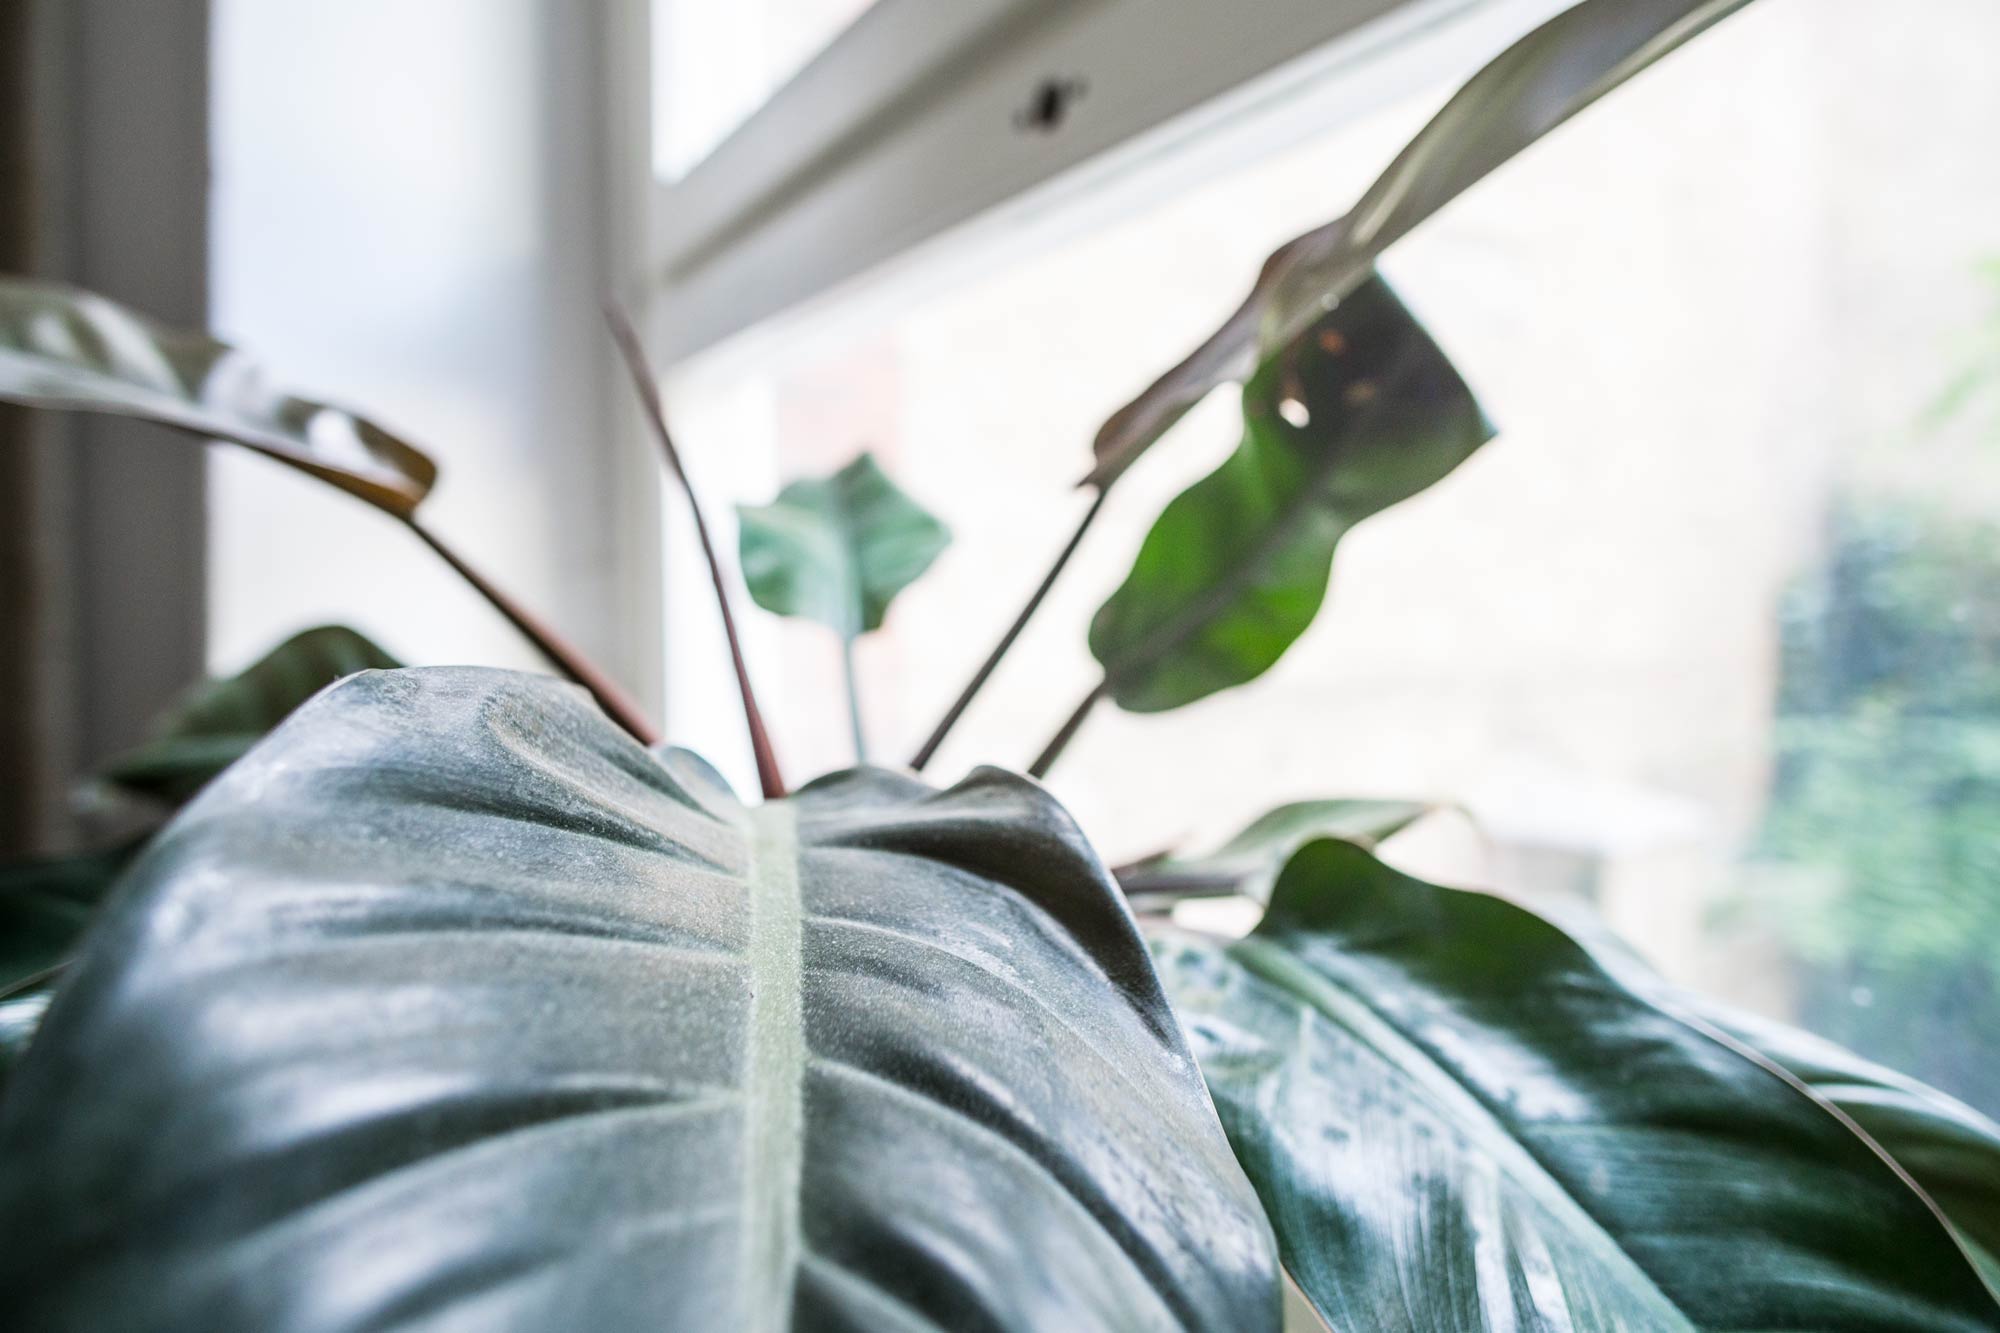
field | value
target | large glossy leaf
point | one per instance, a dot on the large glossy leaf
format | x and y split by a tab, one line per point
46	904
1458	1118
1364	413
1950	1149
837	549
1535	85
450	1006
65	348
215	723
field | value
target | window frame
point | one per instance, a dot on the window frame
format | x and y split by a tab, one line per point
912	123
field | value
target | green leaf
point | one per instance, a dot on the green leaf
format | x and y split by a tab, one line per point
1363	413
214	724
1248	864
838	549
451	1006
1948	1148
1529	89
1458	1118
70	349
45	904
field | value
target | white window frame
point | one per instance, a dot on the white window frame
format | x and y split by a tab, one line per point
908	126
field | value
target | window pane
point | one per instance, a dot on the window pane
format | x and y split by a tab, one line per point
716	62
1709	636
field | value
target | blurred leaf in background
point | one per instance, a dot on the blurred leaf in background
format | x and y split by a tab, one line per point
837	550
212	725
1248	863
45	904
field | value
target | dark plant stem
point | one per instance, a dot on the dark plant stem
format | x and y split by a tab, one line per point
852	682
567	658
1151	897
1060	741
22	985
768	776
978	681
1174	887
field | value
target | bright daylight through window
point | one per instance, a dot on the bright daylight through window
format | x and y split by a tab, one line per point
1708	637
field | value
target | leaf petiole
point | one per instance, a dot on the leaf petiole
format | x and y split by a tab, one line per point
1067	732
634	351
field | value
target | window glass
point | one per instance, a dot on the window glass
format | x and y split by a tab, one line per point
716	61
1709	636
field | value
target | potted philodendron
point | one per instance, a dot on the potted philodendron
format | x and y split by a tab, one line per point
458	1001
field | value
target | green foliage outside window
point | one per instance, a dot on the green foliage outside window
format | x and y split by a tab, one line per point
1886	791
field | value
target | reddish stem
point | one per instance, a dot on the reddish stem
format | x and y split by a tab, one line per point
768	775
572	663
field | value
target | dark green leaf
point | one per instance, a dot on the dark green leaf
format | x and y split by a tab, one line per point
1460	1119
1947	1147
1363	413
838	549
1248	864
45	904
215	723
451	1006
70	349
1530	88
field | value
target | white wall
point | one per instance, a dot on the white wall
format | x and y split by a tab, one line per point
413	215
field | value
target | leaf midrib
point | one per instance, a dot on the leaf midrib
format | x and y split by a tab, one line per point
773	1146
847	529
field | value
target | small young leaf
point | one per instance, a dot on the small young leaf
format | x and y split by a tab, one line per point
838	549
69	349
1459	1117
1360	413
45	906
212	725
